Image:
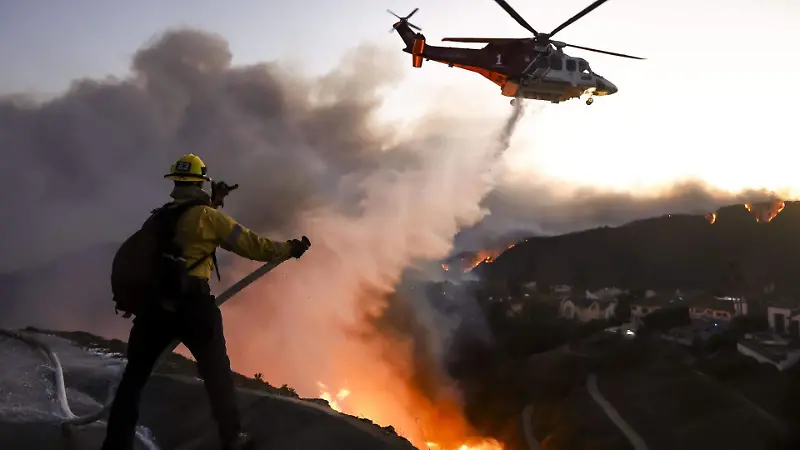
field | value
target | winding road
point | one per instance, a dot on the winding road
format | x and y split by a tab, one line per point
630	433
591	385
633	437
527	428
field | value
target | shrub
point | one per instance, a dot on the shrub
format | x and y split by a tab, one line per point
288	391
666	318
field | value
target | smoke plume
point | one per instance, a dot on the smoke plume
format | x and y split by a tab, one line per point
348	281
522	208
311	159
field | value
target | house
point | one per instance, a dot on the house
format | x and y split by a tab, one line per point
777	352
585	309
652	302
784	321
717	309
739	304
605	293
561	289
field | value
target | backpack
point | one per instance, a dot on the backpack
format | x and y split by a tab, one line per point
149	266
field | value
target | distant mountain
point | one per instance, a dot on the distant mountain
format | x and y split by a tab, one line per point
738	247
467	260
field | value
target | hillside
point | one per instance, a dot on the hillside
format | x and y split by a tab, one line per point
735	252
174	408
655	388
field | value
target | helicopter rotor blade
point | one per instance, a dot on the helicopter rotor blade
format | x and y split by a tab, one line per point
574	18
516	16
603	51
482	40
404	19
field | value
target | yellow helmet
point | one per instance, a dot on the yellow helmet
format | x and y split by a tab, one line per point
188	168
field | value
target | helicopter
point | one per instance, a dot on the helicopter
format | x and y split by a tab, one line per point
524	68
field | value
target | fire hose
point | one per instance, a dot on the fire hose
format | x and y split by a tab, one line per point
69	418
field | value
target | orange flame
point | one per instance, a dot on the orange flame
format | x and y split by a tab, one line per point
485	444
377	369
711	217
333	401
766	211
485	256
445	421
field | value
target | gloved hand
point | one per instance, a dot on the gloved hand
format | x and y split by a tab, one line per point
218	192
299	246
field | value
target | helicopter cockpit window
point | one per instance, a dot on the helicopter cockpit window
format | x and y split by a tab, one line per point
583	67
555	62
571	65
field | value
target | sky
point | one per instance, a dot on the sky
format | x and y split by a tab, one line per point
713	101
698	107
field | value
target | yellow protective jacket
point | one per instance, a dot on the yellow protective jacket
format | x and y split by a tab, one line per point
202	229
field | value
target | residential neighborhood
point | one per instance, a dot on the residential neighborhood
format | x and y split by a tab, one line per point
701	356
778	344
658	356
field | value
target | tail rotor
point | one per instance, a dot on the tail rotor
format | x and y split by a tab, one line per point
404	20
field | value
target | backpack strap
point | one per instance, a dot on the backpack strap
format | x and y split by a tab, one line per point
216	266
213	256
182	208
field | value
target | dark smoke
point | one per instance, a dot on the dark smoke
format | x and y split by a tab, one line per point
87	166
520	209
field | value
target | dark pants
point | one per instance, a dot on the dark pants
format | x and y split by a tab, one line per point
197	322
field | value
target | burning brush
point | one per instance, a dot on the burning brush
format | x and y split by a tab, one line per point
763	212
338	404
766	211
467	263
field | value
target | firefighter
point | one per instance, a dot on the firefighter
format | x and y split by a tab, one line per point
194	318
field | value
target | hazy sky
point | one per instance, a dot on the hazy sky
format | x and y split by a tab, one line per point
714	100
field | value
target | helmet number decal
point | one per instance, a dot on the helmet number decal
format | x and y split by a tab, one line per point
183	166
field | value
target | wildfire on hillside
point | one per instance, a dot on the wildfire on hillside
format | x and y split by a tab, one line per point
485	256
763	212
337	404
384	387
766	211
467	263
